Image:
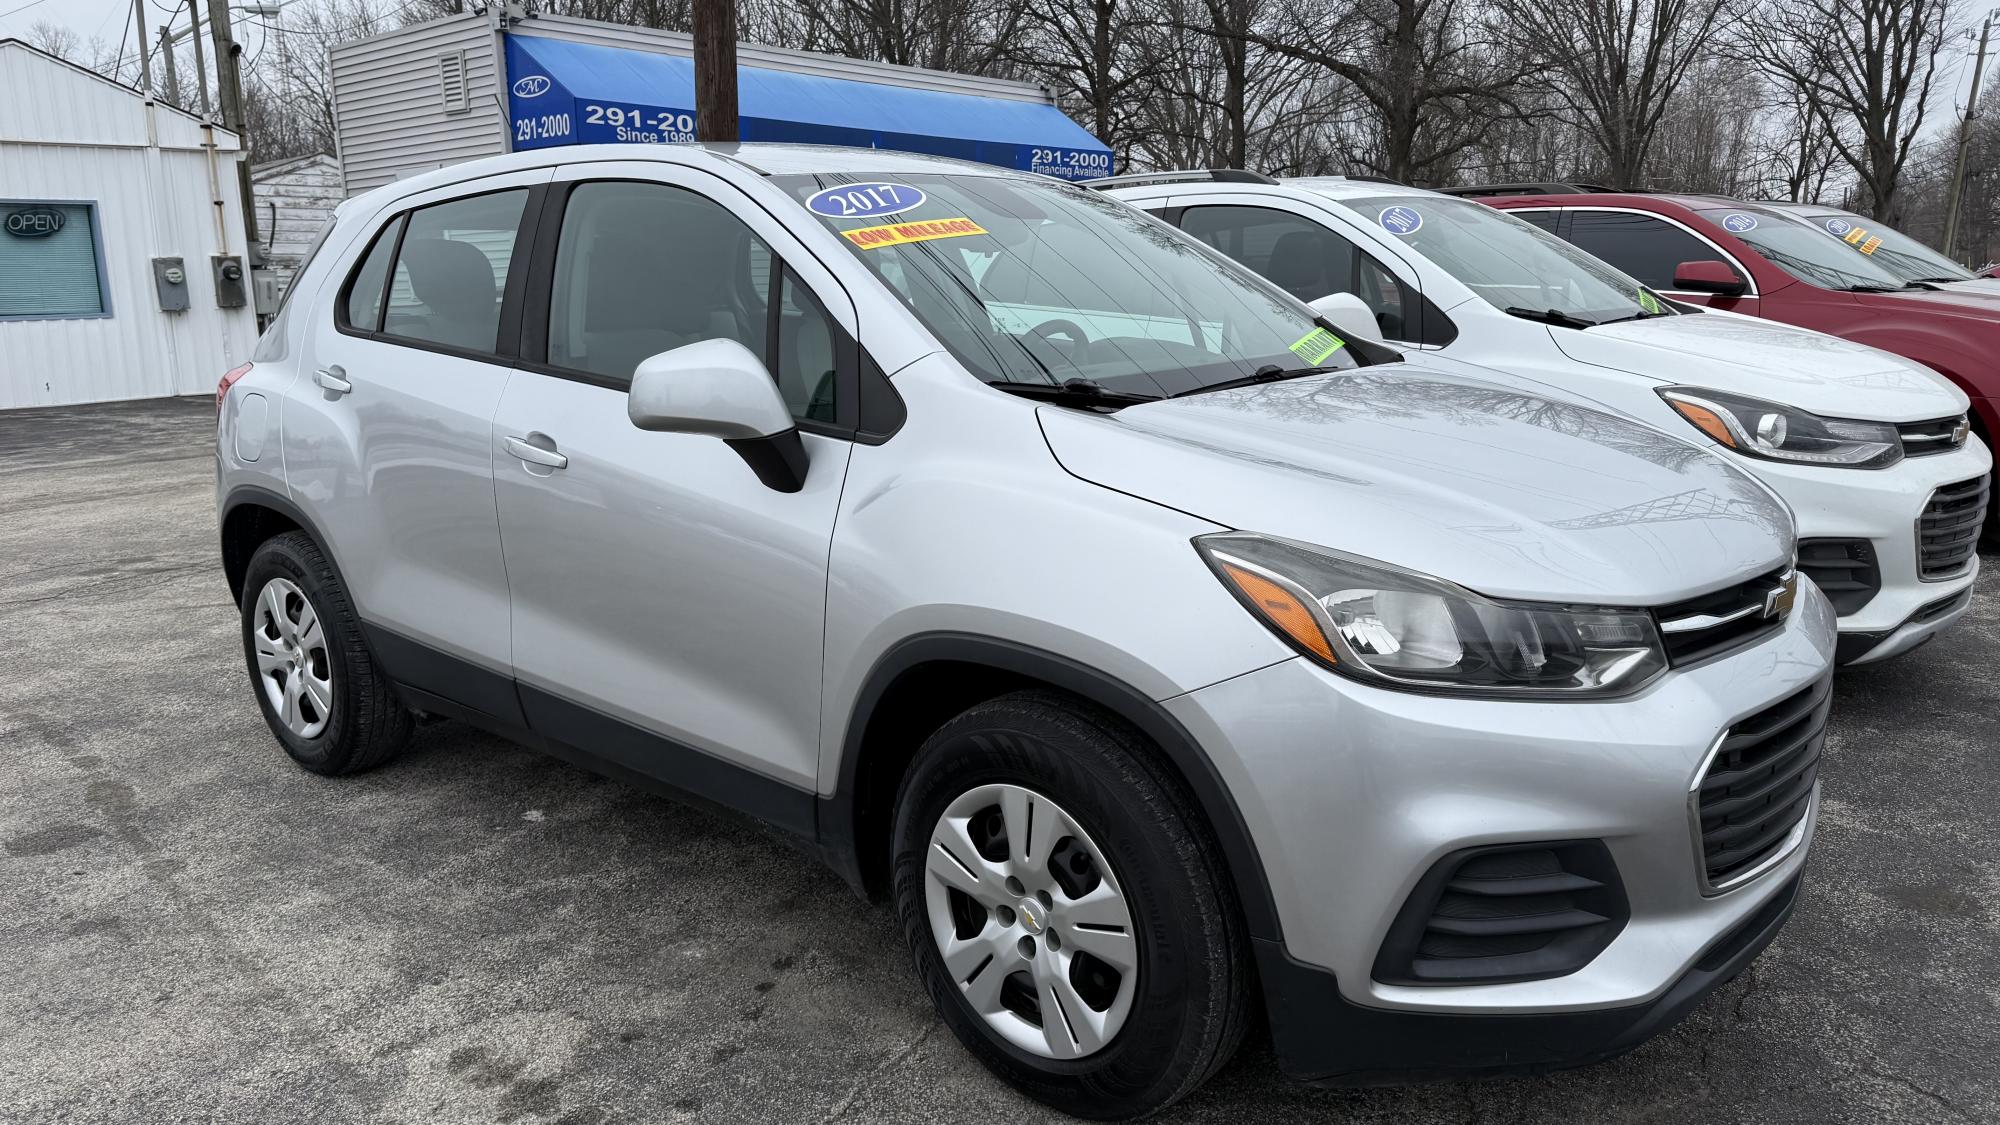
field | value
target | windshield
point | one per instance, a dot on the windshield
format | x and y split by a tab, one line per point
1891	249
1031	281
1510	263
1806	254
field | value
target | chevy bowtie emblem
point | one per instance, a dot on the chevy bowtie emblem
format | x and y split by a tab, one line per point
1779	601
1961	431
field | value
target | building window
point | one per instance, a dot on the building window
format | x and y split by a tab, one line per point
51	261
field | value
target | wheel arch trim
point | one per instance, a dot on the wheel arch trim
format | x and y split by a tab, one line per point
840	829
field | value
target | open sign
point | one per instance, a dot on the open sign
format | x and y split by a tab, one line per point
34	222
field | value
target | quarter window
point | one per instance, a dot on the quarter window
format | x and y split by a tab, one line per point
1647	247
50	262
363	309
451	270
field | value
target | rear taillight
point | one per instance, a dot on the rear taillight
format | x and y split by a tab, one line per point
228	381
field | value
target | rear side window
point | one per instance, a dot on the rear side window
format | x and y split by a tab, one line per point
1647	247
451	270
362	307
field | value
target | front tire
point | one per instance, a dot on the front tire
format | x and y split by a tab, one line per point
1067	908
324	699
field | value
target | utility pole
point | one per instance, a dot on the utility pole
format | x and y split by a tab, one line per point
1951	199
139	32
229	91
715	71
200	64
167	60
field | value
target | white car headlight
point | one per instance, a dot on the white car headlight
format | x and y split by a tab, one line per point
1756	428
1396	628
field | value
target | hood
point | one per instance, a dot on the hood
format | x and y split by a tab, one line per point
1793	366
1504	491
1958	299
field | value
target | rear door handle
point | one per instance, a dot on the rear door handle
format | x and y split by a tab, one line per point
333	379
534	454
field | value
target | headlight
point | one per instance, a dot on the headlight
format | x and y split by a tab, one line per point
1399	629
1757	428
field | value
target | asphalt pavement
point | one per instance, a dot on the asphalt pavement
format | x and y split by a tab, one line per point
193	929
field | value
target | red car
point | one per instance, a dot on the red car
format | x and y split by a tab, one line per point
1757	260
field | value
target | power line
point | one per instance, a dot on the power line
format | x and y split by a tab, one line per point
22	8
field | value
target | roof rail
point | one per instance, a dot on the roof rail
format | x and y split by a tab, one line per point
1535	188
1194	175
1371	178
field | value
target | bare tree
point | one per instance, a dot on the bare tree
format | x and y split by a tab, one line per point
1428	74
1616	67
1091	52
1863	70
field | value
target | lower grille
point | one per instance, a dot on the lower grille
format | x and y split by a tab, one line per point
1948	531
1758	786
1506	913
1843	569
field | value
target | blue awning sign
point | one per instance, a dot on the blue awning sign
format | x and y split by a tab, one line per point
567	93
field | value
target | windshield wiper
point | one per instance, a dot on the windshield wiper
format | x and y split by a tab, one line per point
1073	392
1270	373
1556	317
1640	315
1877	288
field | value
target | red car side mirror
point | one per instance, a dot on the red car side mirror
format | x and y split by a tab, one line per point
1990	271
1713	276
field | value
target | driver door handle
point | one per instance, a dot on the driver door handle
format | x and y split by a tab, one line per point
334	379
534	454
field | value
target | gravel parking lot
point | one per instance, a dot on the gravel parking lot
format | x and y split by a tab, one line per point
192	929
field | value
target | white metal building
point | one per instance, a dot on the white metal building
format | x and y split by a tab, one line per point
120	223
295	200
481	83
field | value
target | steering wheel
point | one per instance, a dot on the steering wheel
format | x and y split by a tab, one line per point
1079	346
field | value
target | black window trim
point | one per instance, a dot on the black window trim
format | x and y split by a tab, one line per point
507	335
532	341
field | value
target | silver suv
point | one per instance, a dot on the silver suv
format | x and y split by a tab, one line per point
1152	647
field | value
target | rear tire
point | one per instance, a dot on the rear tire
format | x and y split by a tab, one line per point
320	692
1087	808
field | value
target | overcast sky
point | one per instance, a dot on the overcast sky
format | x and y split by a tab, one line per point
109	19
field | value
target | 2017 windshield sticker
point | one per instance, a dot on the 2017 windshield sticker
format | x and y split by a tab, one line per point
1400	220
1839	226
1317	346
862	201
922	230
1736	222
1650	303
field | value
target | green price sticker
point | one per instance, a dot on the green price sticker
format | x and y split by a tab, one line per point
1650	303
1314	347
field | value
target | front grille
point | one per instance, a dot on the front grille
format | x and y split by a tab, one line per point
1948	531
1722	621
1843	569
1505	913
1939	435
1758	786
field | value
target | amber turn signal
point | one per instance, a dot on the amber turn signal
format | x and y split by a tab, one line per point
1282	609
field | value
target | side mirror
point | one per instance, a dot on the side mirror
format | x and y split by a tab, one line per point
1990	271
1714	276
1350	314
720	388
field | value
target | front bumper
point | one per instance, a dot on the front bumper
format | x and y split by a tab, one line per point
1352	793
1323	1037
1882	508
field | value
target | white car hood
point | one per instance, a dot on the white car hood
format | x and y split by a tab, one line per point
1505	491
1793	366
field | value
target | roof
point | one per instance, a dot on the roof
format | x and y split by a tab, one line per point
284	167
43	123
1348	187
626	94
763	159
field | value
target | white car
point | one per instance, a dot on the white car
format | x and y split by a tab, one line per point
1858	441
